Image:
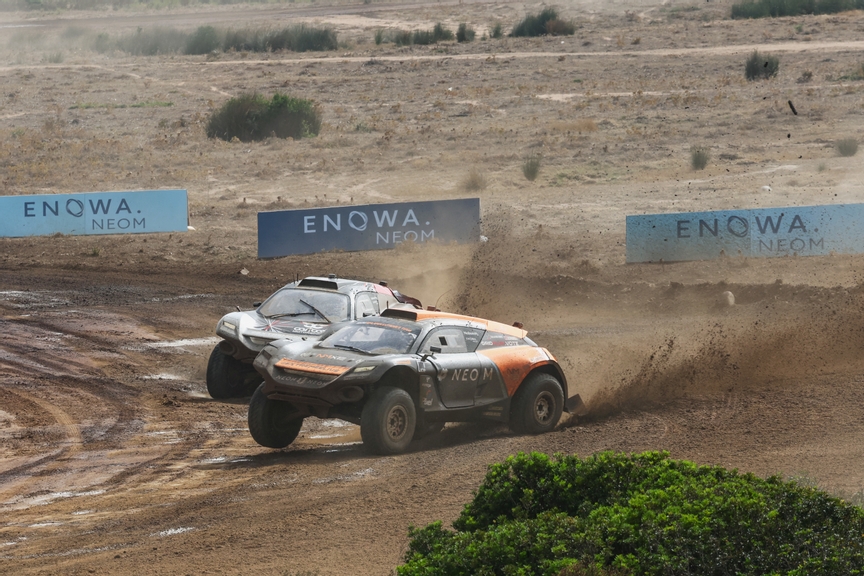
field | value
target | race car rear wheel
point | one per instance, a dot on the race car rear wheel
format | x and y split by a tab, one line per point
537	405
272	423
226	376
388	421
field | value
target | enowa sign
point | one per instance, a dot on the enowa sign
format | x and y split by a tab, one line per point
367	227
765	232
94	213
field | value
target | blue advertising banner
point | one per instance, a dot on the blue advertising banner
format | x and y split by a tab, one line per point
763	232
367	227
137	212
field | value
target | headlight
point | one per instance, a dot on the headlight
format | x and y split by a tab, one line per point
361	369
229	325
256	340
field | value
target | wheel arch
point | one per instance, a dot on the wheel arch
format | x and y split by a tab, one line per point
554	370
400	377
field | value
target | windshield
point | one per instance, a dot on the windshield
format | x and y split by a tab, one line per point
307	305
374	337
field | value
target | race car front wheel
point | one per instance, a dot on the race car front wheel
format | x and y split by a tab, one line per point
537	405
272	423
226	376
388	421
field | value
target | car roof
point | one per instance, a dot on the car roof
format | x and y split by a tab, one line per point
343	285
431	315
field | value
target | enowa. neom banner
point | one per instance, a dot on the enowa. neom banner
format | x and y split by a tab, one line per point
367	227
763	232
135	212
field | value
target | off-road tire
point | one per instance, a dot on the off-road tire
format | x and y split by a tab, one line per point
226	376
270	421
388	421
537	405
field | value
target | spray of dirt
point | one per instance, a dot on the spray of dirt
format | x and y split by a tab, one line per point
780	343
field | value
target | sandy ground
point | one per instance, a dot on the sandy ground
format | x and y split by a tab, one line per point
113	458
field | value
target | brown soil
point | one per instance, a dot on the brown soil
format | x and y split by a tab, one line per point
113	458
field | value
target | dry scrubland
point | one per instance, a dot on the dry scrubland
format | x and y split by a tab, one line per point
615	115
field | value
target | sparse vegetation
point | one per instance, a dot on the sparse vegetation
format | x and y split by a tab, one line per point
475	180
465	33
760	66
776	8
252	117
699	157
496	31
856	75
639	514
847	147
204	40
531	166
379	36
437	34
546	22
207	39
54	58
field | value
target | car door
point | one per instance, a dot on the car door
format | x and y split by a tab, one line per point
459	369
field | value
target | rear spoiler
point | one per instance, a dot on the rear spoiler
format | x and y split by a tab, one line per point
402	298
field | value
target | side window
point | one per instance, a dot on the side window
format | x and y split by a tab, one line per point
453	340
449	339
365	305
499	340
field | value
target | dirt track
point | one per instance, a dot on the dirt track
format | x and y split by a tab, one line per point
114	460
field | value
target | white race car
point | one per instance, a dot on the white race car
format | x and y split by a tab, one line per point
301	310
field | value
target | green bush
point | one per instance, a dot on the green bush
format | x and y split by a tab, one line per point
699	157
465	33
252	117
642	514
424	37
847	146
777	8
546	22
531	166
203	41
759	66
495	31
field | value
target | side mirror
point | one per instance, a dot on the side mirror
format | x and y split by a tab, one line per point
432	351
256	304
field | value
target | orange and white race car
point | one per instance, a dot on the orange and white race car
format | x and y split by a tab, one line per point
403	374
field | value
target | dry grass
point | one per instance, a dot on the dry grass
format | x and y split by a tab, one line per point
475	180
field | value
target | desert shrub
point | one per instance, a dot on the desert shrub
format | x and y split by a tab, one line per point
438	33
152	42
531	166
759	66
699	157
640	514
475	180
777	8
847	146
560	28
379	36
536	25
204	40
496	31
441	32
301	38
403	38
465	33
252	117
